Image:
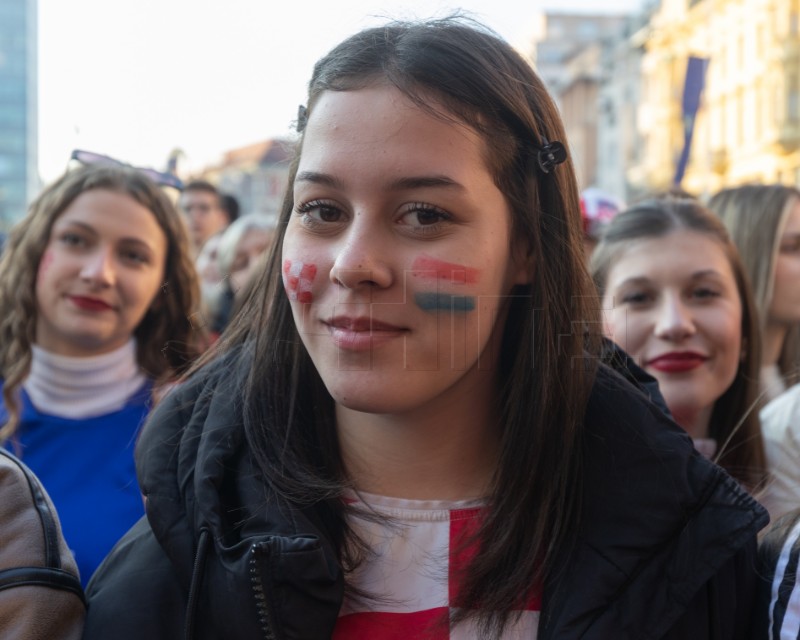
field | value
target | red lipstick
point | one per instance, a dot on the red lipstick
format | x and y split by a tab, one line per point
90	304
677	361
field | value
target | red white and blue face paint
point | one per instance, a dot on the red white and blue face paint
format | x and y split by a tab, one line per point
298	280
426	266
443	273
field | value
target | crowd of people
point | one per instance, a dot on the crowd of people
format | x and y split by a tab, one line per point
423	403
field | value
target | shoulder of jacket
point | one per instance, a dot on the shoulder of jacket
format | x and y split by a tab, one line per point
34	555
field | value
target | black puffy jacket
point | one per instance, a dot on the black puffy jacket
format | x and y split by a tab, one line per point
665	551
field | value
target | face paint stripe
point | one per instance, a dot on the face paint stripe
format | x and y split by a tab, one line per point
444	302
428	267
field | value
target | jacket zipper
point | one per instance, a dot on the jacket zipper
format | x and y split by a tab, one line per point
258	552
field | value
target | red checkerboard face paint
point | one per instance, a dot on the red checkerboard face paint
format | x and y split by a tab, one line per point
426	266
298	278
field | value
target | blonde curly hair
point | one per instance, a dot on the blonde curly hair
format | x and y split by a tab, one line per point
166	340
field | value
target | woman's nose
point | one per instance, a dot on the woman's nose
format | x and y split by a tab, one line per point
362	258
98	268
675	320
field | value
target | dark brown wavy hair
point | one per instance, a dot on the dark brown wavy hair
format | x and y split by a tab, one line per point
166	340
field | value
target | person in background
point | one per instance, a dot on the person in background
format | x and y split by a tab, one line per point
231	206
675	298
777	608
240	250
407	432
97	289
202	206
764	222
597	210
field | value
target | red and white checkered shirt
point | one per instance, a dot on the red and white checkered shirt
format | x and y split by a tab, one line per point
413	573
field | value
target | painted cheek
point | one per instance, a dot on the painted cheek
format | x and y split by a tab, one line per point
298	278
435	301
427	267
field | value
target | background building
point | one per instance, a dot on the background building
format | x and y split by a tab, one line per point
18	108
567	51
255	174
748	125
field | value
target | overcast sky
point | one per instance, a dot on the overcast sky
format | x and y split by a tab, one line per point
135	79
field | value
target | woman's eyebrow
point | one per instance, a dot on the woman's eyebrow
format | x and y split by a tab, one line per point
316	177
66	224
634	280
420	182
137	241
705	273
401	184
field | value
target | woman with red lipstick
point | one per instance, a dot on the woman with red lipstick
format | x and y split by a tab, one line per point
97	289
675	298
407	432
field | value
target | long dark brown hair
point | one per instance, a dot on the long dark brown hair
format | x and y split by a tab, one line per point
734	420
546	364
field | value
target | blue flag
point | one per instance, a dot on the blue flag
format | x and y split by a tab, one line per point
692	92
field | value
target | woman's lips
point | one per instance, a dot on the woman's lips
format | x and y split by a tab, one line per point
361	334
90	304
677	362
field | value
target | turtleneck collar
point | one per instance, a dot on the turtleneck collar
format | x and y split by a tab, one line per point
78	388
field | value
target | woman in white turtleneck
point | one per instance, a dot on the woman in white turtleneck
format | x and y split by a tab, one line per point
97	290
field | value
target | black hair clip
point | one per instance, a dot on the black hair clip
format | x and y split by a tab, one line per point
550	154
302	118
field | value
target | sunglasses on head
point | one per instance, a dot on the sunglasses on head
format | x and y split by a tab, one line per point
159	177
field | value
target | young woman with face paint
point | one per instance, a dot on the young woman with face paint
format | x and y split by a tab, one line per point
407	432
97	289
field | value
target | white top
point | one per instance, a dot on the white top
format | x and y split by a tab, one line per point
78	388
414	570
772	382
780	425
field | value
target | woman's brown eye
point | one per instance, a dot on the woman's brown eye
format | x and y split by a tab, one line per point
328	214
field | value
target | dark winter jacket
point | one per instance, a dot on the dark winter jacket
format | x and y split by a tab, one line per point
665	550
